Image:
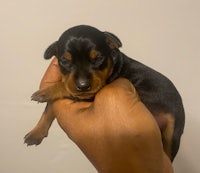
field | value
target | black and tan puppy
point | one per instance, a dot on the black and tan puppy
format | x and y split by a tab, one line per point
88	60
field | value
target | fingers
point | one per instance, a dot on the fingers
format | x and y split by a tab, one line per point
72	117
120	91
123	84
120	86
64	106
52	74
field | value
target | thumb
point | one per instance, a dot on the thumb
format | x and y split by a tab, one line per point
52	74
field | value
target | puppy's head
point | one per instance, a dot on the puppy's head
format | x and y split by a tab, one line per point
86	58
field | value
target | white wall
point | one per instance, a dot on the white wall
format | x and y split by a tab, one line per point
162	34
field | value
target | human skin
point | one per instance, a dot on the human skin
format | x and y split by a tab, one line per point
116	132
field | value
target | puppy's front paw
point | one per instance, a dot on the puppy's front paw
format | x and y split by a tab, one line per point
41	96
34	137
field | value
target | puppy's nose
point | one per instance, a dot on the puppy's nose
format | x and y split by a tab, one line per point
83	85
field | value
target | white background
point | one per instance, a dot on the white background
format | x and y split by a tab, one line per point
162	34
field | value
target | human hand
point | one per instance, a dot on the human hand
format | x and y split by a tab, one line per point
116	132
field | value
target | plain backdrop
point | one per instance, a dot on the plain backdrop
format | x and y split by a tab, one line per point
164	35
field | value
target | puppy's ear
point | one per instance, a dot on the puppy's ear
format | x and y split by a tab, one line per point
52	50
112	40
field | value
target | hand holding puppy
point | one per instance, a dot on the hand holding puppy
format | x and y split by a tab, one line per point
116	132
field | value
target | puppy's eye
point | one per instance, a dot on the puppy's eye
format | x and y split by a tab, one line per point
98	61
64	62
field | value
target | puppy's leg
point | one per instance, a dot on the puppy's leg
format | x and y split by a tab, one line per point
166	124
54	92
35	136
49	94
167	135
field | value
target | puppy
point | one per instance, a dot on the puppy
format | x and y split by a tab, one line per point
88	60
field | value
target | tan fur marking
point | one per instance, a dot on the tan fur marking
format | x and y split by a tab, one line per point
167	133
68	56
100	76
93	54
